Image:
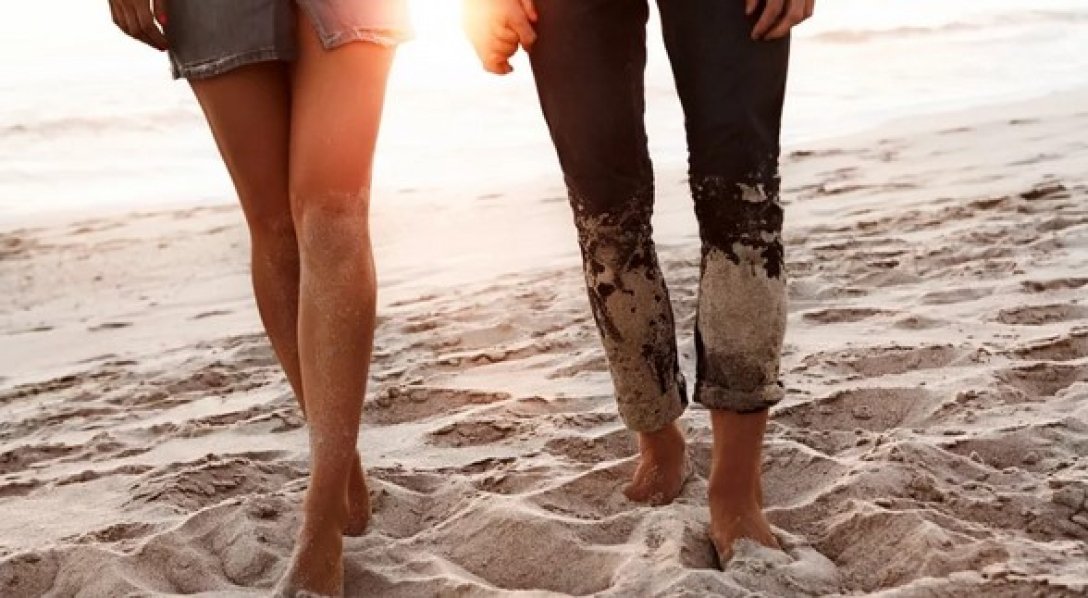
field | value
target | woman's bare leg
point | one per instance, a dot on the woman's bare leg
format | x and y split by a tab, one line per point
249	112
337	102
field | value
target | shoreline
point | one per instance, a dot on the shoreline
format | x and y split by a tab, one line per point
551	178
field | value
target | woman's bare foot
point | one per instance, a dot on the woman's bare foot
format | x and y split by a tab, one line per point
357	500
736	487
662	467
316	565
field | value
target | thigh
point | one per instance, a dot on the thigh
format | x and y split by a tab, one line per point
588	61
248	110
338	96
731	87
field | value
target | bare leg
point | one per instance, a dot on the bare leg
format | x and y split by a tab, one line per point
736	492
338	97
249	112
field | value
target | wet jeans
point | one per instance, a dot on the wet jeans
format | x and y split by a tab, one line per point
588	62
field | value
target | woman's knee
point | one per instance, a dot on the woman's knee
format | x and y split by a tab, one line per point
330	223
271	227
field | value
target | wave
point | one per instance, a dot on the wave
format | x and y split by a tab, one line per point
1012	19
113	123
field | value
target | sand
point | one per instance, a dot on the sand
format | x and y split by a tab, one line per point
932	443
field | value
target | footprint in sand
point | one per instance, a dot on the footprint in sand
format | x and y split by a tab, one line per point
858	542
18	488
475	432
42	328
1047	191
590	551
109	326
118	533
873	362
211	314
401	404
1043	379
955	296
595	494
407	502
844	315
794	474
1027	448
1054	284
615	444
90	475
1067	347
1039	315
780	572
209	481
873	409
28	456
592	361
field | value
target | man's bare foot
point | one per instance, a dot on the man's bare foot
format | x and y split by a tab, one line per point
316	565
730	522
736	486
358	501
662	467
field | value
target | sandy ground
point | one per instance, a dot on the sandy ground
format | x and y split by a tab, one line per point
933	441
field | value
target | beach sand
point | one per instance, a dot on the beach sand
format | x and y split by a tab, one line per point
933	441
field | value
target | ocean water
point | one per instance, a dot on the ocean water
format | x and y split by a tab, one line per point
90	120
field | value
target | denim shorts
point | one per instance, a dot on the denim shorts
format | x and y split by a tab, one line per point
210	37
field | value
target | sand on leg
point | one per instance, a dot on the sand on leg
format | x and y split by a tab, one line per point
249	112
336	110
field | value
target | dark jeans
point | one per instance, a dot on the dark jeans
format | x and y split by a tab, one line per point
589	62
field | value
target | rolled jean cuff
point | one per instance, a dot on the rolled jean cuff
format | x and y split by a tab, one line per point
650	416
713	396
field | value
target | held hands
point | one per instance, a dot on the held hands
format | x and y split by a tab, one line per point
496	28
778	16
141	20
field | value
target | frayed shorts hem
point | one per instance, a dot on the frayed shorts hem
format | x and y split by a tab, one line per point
218	66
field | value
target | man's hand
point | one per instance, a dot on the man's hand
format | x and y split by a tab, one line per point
496	28
778	16
141	20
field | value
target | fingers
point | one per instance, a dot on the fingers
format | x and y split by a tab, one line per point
750	6
504	34
159	6
810	8
772	10
128	22
135	18
148	27
498	53
520	24
497	30
793	14
530	10
497	64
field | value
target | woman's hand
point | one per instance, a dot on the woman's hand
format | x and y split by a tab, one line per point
778	17
141	20
496	28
